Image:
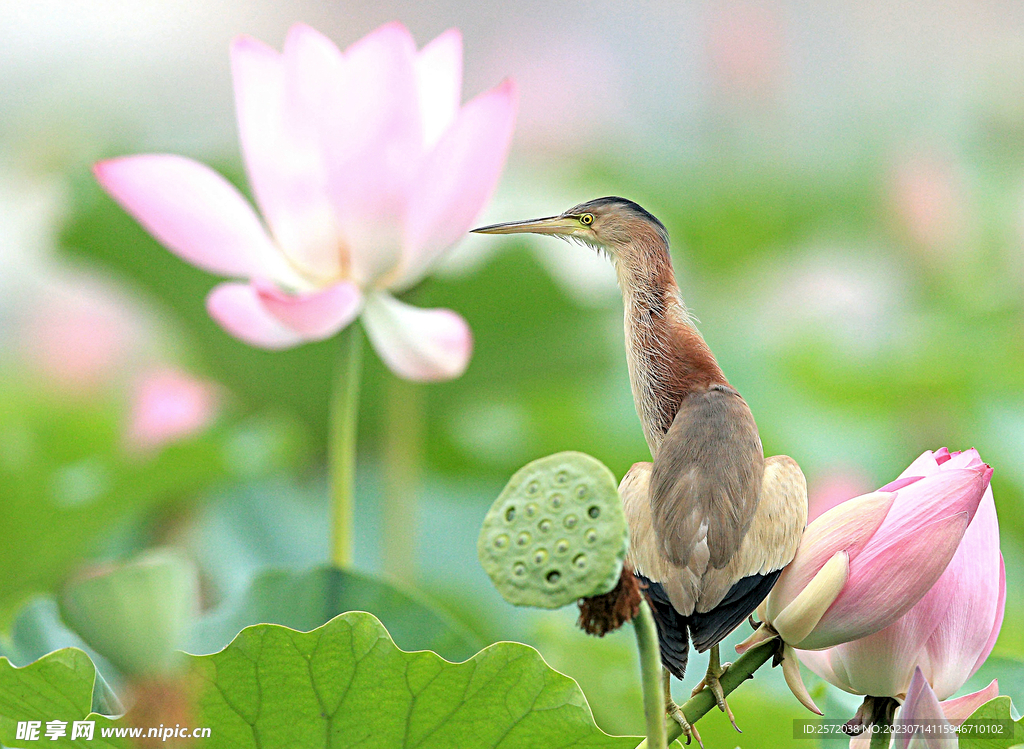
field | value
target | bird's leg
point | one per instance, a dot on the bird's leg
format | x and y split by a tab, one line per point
675	713
711	681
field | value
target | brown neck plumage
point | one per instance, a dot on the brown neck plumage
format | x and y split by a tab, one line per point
667	356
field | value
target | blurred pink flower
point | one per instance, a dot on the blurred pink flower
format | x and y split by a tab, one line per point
365	169
746	50
167	406
833	488
82	336
869	560
951	630
929	199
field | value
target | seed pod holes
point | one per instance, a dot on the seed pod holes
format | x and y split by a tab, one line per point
530	565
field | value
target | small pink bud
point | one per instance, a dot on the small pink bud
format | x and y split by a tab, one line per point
921	709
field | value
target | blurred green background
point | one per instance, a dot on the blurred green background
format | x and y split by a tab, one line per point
844	188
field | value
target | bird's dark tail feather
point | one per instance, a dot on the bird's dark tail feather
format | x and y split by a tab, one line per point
711	628
708	629
673	638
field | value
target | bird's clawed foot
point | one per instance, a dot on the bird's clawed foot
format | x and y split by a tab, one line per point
712	681
675	713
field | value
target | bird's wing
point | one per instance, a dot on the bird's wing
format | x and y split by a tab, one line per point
706	477
681	585
714	601
774	535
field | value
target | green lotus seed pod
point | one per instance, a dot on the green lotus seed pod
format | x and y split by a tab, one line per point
556	533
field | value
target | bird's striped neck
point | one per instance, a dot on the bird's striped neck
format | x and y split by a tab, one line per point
666	355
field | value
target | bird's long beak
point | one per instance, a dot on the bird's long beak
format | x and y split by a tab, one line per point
550	225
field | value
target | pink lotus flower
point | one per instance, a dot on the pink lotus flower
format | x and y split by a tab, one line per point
168	406
951	630
868	561
365	169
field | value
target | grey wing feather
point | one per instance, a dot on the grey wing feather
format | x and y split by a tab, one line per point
681	585
774	535
706	477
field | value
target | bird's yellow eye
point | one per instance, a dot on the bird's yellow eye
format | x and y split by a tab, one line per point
587	219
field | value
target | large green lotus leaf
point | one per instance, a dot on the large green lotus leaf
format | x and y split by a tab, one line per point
37	630
66	480
981	731
343	684
347	684
306	600
58	686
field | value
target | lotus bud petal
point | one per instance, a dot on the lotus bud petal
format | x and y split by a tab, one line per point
922	707
962	708
759	635
791	671
801	616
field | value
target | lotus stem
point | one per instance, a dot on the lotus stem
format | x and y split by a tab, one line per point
650	670
403	469
698	706
344	417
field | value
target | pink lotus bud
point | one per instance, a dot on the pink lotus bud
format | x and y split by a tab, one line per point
168	406
866	562
950	631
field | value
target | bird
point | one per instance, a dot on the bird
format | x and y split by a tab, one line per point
712	522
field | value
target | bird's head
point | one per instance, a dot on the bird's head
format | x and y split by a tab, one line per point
611	224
